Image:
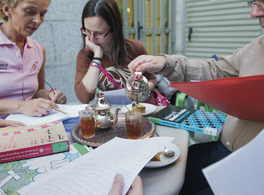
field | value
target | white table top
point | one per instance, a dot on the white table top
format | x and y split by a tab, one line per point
168	179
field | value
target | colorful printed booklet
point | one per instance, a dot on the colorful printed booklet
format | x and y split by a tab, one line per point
192	120
17	143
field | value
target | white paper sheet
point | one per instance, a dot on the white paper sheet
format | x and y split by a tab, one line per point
242	172
116	97
55	115
94	172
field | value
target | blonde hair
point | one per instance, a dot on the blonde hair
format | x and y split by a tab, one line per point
12	4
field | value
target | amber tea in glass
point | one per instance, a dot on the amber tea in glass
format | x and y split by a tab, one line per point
87	122
133	124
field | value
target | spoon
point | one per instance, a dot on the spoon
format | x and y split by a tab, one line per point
167	152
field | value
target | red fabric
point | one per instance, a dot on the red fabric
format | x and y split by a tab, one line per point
242	97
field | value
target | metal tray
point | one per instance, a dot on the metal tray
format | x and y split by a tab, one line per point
102	136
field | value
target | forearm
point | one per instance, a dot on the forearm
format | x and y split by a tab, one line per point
86	78
152	84
9	107
81	93
178	68
90	80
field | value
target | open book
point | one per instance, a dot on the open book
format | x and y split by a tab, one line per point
55	115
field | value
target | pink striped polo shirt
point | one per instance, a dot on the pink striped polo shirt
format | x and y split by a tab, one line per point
19	74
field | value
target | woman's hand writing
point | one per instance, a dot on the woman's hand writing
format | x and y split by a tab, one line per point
36	107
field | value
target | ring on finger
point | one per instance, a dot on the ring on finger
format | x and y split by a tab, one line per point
46	110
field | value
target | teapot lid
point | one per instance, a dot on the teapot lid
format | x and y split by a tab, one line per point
101	103
137	83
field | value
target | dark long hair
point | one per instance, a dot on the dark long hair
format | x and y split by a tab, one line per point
108	10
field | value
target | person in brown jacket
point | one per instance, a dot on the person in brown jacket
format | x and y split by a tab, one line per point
104	46
247	61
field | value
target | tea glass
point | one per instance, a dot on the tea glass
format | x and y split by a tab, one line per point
87	122
133	124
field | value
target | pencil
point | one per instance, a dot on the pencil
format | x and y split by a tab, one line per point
59	110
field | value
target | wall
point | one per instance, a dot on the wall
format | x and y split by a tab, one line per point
218	27
180	23
60	35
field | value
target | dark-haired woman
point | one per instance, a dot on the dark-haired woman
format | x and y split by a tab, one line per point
104	45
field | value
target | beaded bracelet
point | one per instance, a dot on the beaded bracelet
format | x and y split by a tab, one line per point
94	58
95	63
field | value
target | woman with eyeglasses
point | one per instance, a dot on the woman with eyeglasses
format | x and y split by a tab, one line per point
22	62
104	45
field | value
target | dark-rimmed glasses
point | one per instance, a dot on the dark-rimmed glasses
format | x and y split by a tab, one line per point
259	3
95	35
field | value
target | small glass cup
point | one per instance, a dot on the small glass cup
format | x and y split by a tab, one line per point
133	124
87	122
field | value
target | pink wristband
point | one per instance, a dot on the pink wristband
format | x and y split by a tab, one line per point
95	66
52	90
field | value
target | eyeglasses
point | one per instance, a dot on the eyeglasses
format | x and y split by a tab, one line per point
23	95
95	35
47	84
259	3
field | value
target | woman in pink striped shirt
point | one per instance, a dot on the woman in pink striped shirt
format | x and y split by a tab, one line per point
22	62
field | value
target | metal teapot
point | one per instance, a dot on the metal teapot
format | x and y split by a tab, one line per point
103	117
137	89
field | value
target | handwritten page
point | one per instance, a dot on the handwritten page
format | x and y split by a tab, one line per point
55	115
94	172
241	97
241	172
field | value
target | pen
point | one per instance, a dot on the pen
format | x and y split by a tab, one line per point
59	110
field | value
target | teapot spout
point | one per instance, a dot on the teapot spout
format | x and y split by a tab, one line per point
116	116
